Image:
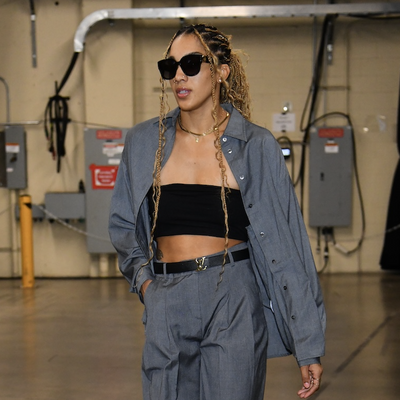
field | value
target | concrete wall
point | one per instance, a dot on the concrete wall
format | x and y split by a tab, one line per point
115	82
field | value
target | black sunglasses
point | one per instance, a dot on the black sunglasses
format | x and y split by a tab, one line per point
190	65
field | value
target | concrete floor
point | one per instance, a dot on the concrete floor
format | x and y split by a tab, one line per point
82	339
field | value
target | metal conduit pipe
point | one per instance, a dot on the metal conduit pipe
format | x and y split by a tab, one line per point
303	10
12	197
7	99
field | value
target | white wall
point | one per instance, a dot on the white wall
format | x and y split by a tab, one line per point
116	82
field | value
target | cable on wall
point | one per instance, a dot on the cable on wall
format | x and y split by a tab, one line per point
56	117
310	105
53	217
312	98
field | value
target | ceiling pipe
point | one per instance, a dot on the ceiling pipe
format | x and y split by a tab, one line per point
304	10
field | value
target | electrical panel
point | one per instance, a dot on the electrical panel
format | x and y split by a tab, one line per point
3	170
16	166
331	166
103	150
65	206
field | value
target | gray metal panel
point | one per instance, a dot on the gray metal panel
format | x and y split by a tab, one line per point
3	173
330	189
103	148
16	157
65	205
302	10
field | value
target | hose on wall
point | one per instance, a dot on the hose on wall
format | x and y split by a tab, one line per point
312	98
56	117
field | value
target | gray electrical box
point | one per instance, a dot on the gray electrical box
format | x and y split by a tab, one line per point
65	205
3	173
103	150
16	168
331	166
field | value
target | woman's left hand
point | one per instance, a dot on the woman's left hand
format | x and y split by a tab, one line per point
311	377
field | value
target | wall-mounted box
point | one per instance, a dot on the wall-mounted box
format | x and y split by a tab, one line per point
331	169
16	166
3	169
65	205
103	151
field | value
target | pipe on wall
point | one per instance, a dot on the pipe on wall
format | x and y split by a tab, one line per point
303	10
25	207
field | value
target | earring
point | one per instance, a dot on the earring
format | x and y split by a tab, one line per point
219	80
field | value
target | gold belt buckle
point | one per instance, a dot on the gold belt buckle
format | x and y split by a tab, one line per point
200	264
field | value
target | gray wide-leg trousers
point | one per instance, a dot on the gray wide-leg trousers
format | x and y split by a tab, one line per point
204	343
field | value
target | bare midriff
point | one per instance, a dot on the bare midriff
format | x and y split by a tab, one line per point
186	247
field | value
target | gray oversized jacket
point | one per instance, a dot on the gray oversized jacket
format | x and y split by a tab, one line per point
279	245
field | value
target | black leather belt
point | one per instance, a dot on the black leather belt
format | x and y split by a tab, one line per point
199	264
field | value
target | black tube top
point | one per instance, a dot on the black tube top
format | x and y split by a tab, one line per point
190	209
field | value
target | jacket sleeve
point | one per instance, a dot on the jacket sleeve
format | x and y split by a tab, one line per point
306	342
132	250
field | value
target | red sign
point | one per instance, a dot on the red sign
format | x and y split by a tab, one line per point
103	176
331	132
108	134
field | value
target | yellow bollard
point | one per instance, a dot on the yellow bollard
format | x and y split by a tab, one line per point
25	212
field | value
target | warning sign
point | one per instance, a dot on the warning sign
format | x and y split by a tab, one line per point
331	147
12	148
331	132
112	149
108	134
103	176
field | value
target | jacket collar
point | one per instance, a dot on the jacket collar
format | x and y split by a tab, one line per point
237	123
236	126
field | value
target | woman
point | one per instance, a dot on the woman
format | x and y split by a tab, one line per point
209	234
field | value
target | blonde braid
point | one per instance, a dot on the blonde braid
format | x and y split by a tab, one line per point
157	163
235	89
219	155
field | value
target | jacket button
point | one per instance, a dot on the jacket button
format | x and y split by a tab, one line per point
285	287
241	177
224	139
230	151
293	317
273	261
262	234
250	205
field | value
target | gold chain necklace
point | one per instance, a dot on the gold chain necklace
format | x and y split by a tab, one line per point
199	135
